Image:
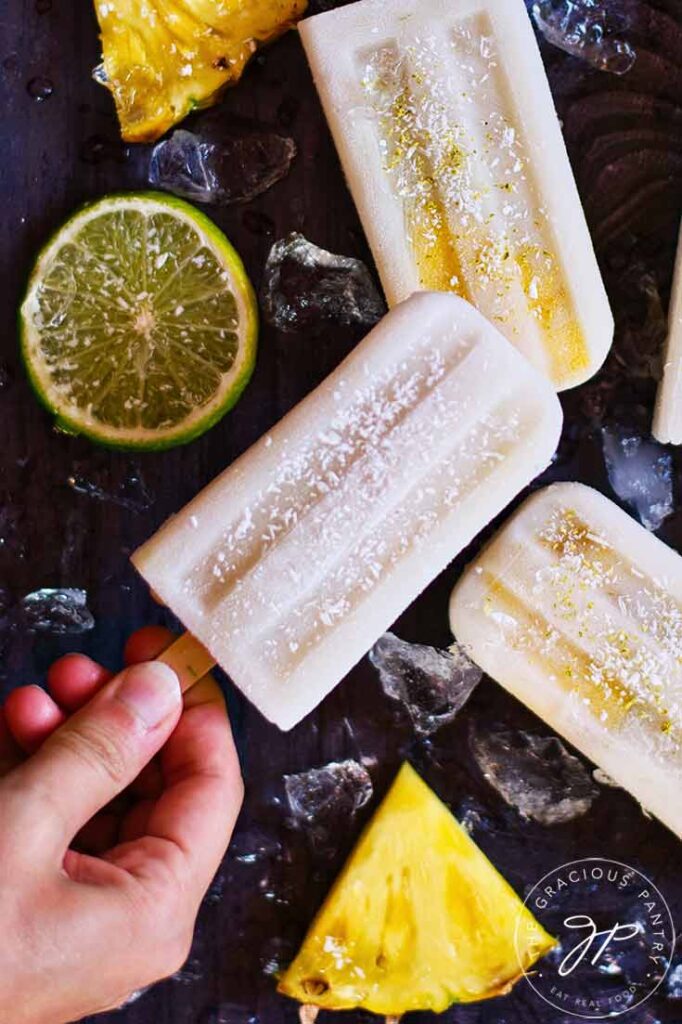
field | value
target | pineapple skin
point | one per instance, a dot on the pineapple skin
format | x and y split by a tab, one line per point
164	58
419	918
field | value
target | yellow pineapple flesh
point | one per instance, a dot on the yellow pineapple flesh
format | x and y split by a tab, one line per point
418	919
164	58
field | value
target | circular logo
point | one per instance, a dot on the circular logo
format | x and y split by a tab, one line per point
615	937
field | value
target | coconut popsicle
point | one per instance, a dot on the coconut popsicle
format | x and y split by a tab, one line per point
291	564
668	415
576	609
445	126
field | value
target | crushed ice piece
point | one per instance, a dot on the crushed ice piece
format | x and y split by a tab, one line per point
432	685
534	774
233	168
641	474
62	612
99	74
673	982
132	998
131	493
472	817
190	973
228	1013
6	377
324	800
254	845
304	285
581	28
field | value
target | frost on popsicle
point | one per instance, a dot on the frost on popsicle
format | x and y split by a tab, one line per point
304	285
534	774
221	167
641	474
581	28
344	474
629	630
453	153
58	612
325	800
431	684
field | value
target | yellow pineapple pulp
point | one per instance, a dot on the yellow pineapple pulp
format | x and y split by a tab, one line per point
418	919
164	58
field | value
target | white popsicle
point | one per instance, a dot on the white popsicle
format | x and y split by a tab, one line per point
668	415
452	149
293	562
576	609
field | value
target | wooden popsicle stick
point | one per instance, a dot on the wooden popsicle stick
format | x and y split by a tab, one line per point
189	659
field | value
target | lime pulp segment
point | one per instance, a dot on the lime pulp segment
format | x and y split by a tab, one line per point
139	324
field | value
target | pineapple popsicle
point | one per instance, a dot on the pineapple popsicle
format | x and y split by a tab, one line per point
668	415
293	562
576	609
452	149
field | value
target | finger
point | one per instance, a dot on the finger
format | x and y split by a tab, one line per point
151	641
101	749
146	644
196	814
10	752
75	679
31	716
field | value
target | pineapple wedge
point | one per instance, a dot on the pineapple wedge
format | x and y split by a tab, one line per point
164	58
418	919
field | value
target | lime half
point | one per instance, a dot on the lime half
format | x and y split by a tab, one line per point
139	324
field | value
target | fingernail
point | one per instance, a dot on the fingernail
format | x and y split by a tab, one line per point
151	691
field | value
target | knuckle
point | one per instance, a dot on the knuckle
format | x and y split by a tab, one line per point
99	748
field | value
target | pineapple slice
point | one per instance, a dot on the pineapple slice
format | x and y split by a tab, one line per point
164	58
418	919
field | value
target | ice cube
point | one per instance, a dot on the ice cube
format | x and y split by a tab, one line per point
673	982
221	167
62	612
534	774
581	28
473	818
227	1013
304	285
431	684
641	473
129	492
324	801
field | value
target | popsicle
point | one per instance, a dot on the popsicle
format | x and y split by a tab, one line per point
576	609
668	415
444	123
292	563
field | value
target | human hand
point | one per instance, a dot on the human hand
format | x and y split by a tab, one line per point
106	850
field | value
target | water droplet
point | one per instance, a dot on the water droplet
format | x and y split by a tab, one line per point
40	88
258	223
43	6
98	149
11	63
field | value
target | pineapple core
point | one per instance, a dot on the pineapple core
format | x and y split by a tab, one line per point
164	58
418	919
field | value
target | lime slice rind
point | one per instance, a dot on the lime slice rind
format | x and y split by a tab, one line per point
139	324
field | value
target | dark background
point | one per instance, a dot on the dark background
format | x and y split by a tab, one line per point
625	141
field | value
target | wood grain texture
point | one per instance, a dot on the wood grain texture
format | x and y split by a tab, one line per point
625	139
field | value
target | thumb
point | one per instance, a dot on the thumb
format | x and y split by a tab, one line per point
102	748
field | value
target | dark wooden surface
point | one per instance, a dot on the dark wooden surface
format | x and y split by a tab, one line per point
625	138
